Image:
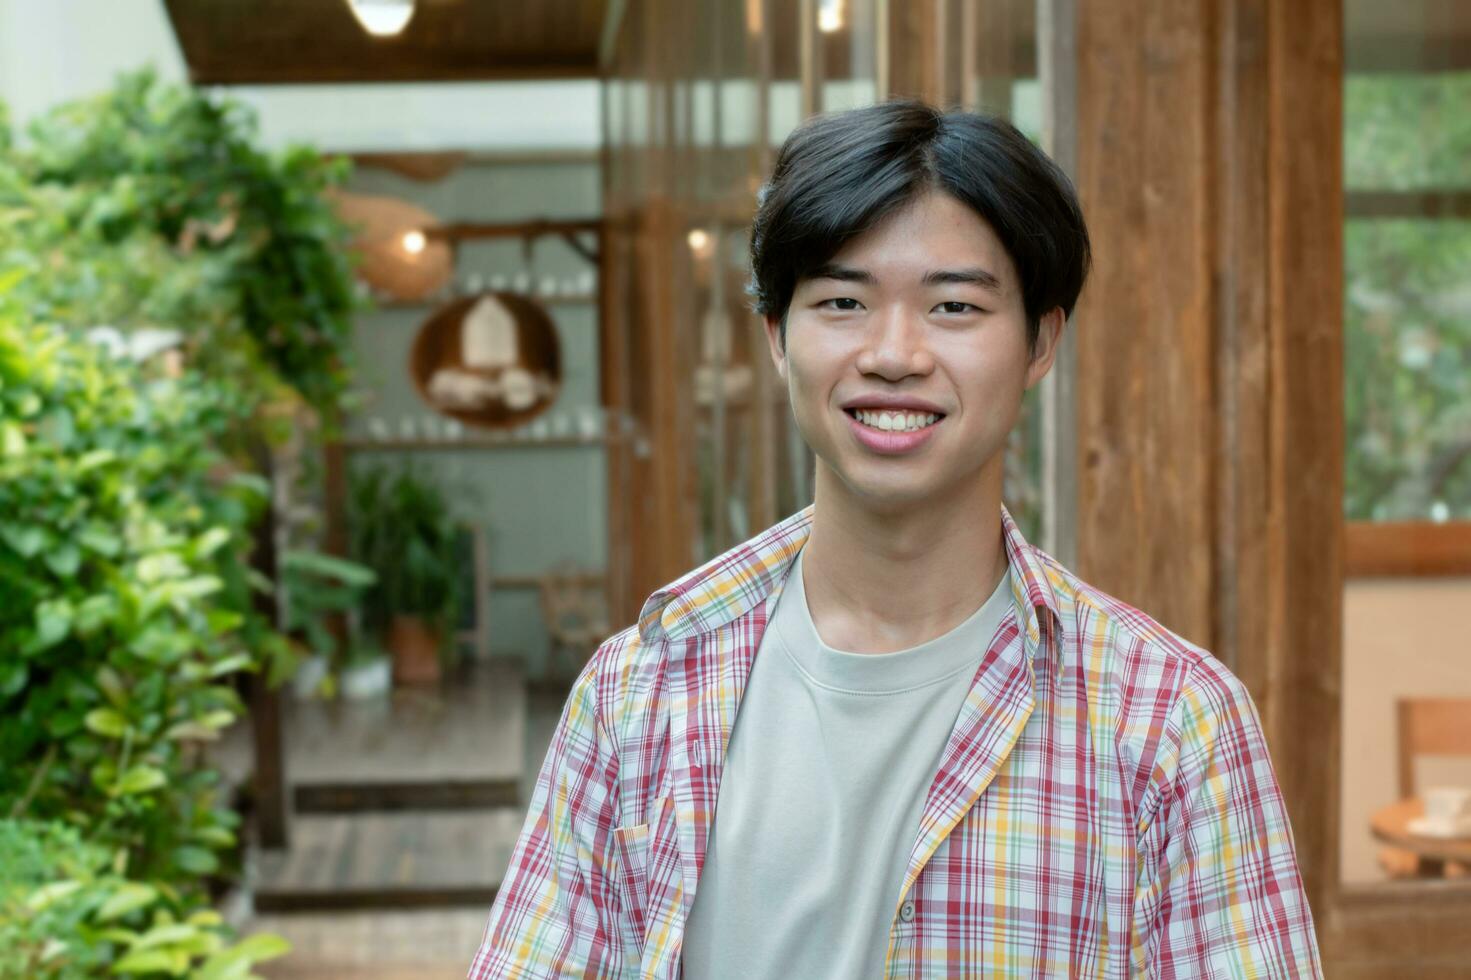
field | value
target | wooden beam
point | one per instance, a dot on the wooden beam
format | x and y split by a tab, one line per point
1448	203
1406	549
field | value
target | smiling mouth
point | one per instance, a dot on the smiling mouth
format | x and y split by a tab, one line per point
892	421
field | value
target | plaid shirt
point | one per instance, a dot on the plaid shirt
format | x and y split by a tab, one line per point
1105	805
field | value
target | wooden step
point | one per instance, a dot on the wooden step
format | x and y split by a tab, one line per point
399	860
458	745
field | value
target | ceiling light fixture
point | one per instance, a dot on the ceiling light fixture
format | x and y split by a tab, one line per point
830	16
382	18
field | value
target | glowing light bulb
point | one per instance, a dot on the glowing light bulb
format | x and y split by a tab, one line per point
382	18
699	240
830	16
414	242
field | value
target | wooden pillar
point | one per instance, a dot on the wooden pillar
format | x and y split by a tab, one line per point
1209	365
269	776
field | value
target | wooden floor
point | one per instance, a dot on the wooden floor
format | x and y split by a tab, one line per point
437	945
411	802
400	860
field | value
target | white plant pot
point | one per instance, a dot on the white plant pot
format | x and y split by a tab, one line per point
366	681
306	683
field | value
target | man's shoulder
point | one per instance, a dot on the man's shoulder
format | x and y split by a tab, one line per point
624	681
1145	667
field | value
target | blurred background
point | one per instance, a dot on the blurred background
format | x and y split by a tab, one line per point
365	363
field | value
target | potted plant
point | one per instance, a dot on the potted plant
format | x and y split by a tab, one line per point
402	529
320	588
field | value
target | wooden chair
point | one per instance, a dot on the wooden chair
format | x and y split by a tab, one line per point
1425	726
575	608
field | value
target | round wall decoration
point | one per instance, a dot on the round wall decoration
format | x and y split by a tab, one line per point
490	360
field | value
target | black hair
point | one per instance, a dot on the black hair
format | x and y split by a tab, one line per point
838	175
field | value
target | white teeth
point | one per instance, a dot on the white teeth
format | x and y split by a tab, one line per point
896	421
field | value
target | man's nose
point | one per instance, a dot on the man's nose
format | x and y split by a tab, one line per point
895	344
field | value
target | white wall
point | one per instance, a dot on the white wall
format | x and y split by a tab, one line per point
54	51
1401	638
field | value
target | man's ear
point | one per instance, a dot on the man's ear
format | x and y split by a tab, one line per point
774	342
1049	336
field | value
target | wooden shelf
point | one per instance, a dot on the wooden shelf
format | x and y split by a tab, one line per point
427	305
476	443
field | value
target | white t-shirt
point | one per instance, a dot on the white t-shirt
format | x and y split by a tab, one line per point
830	758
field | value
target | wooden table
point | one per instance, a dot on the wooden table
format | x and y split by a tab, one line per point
1438	855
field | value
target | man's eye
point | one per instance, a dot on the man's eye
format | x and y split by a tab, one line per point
842	303
955	306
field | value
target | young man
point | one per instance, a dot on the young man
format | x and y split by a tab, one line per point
887	737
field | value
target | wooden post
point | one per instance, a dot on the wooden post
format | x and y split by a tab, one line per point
1210	354
265	701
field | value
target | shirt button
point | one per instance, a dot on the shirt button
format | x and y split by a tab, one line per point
906	911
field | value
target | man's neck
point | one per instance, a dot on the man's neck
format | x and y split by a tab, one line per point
877	582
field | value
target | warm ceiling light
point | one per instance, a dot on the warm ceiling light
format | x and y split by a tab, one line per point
830	16
699	240
382	18
414	242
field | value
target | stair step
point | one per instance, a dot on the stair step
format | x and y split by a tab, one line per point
449	794
403	860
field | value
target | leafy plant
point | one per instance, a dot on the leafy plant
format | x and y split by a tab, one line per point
238	247
65	912
320	589
401	527
1407	400
120	583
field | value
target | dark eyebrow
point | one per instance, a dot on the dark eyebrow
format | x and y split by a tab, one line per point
842	273
973	277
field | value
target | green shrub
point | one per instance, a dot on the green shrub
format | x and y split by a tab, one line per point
64	912
121	585
196	229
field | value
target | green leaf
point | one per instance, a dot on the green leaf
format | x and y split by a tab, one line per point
106	721
327	566
12	439
13	677
94	612
196	860
53	623
64	559
167	934
49	894
95	458
161	565
129	897
252	949
139	779
26	539
197	587
97	538
152	961
210	541
231	664
111	684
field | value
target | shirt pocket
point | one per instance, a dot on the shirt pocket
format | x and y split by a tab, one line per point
632	847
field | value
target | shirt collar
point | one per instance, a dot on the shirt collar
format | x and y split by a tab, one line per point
728	586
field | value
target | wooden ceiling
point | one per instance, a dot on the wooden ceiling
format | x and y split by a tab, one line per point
240	42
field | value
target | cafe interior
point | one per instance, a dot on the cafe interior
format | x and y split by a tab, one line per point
1258	428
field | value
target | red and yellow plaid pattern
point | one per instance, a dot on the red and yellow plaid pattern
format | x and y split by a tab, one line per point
1105	805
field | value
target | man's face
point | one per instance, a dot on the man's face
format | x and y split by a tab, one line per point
925	307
